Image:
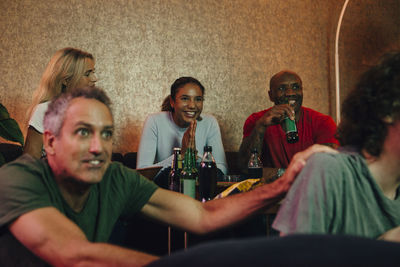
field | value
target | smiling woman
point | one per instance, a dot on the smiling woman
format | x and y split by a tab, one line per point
172	126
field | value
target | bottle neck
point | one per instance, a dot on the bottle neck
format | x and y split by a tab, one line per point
188	159
175	160
208	157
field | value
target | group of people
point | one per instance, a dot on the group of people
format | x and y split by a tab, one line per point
60	201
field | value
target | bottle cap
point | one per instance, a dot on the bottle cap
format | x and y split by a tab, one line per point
207	148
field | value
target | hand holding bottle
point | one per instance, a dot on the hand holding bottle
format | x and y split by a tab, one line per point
276	115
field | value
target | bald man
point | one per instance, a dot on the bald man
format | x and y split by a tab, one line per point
263	131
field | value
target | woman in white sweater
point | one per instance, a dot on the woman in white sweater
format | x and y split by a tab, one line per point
177	123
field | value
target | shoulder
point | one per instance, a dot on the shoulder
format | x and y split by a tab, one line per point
157	121
123	180
41	108
117	170
25	184
117	173
325	166
158	116
208	124
24	164
318	120
208	118
256	115
259	114
36	119
313	114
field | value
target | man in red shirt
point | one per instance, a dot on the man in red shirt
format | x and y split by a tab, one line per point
262	130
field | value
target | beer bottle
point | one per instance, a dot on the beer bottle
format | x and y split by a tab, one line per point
254	167
208	175
174	175
189	174
289	127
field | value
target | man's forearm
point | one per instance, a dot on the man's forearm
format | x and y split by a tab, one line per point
237	207
222	213
271	174
102	254
60	242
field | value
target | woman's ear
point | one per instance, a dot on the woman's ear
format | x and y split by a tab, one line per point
171	102
66	81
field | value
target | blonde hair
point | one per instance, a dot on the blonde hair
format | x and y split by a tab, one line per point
62	73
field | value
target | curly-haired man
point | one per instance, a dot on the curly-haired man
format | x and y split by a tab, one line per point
354	192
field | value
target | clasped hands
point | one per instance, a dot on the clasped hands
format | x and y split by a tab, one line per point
189	138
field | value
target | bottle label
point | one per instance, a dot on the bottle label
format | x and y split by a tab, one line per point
255	173
189	187
288	125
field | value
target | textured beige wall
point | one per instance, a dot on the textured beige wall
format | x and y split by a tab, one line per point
370	29
141	47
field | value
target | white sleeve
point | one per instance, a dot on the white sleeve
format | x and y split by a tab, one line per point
148	144
36	120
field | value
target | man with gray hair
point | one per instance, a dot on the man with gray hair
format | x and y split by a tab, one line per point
64	208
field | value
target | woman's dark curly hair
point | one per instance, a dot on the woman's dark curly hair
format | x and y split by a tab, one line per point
179	83
366	110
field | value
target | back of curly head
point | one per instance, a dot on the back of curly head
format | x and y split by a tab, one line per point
376	97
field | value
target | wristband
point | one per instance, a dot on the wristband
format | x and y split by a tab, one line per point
280	172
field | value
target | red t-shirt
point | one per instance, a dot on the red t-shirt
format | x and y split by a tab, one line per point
313	128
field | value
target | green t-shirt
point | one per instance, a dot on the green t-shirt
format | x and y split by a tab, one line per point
28	184
336	194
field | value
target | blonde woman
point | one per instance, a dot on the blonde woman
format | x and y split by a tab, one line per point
68	68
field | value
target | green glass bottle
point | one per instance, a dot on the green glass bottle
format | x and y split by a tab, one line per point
288	125
189	175
174	180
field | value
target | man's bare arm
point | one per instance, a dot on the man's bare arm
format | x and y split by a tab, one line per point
191	215
60	242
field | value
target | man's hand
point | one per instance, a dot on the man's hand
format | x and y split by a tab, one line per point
189	137
275	115
297	163
393	235
255	140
